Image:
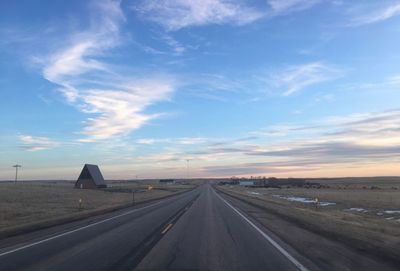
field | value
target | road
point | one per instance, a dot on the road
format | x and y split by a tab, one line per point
213	236
197	230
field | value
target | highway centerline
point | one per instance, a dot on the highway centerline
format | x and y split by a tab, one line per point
268	238
167	228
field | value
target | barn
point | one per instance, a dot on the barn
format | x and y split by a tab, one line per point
90	178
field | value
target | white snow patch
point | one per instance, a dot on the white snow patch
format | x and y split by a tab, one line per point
253	193
389	218
325	203
361	210
304	200
392	212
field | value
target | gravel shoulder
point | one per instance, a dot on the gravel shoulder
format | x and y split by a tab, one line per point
325	236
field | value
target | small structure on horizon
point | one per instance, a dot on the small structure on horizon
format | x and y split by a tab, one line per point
248	182
167	181
90	178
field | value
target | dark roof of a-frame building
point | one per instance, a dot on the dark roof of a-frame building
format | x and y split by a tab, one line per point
92	172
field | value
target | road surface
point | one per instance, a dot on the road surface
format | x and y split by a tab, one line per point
197	230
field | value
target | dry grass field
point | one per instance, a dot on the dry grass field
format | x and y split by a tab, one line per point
30	202
368	219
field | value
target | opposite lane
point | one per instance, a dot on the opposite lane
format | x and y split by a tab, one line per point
111	244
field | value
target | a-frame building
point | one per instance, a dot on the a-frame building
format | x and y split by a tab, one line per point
90	178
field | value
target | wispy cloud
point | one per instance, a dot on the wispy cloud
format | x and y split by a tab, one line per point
120	110
358	141
356	137
176	46
364	15
330	150
146	141
116	101
179	140
296	78
165	157
176	14
36	143
287	6
287	129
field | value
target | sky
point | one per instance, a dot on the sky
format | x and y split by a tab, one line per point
211	88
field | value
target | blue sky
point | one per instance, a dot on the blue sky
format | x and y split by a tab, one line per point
244	88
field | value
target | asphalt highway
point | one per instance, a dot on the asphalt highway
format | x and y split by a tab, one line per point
197	230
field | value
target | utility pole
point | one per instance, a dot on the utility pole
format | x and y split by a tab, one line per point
16	171
187	169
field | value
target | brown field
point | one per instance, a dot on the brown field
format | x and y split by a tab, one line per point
31	202
375	227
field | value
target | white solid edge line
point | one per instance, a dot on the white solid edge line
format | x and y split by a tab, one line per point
78	229
269	239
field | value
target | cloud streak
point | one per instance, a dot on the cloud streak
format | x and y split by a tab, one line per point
375	15
35	143
174	15
177	14
357	141
287	6
116	102
298	77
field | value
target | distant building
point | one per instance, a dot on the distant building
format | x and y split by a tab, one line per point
230	182
248	182
90	178
167	181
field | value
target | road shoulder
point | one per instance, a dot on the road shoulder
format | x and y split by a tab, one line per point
326	253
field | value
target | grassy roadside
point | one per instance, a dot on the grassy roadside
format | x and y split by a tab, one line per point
28	207
373	236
